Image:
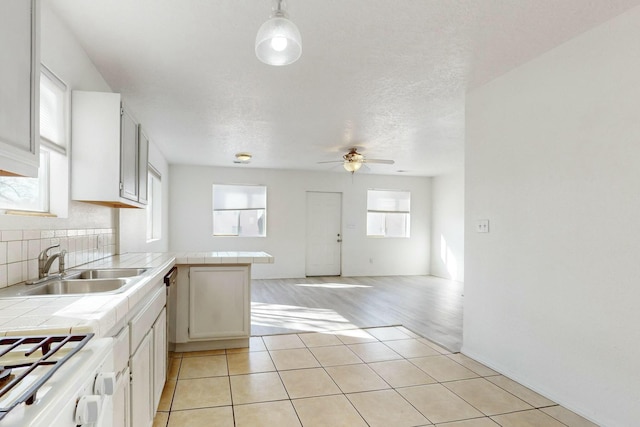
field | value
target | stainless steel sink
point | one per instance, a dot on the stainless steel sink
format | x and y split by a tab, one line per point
78	281
110	273
76	286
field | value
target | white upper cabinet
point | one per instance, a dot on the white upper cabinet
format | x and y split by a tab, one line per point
19	87
143	166
106	153
128	156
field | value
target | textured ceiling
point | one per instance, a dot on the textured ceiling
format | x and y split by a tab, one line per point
388	77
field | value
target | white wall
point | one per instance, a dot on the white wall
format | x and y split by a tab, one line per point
553	160
191	219
447	226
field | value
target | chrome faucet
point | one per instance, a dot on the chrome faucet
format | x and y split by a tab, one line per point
45	261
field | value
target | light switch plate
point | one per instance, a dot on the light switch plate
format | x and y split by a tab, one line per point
482	226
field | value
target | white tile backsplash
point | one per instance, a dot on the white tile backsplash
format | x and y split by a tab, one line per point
3	276
46	234
34	249
10	235
19	250
14	251
30	234
14	273
3	253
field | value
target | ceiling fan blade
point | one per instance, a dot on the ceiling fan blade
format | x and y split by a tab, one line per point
332	161
386	162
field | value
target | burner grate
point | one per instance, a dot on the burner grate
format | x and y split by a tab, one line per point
48	346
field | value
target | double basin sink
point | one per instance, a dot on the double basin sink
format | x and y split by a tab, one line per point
84	282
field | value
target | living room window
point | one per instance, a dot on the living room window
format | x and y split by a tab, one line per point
239	210
388	213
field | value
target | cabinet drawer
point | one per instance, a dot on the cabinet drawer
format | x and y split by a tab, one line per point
142	323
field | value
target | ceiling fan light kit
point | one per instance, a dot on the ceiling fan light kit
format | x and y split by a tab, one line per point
353	161
278	41
352	166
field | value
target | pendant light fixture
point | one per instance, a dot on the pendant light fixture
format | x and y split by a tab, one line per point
278	41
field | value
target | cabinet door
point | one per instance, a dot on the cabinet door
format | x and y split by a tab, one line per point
121	402
219	302
143	165
159	357
128	157
141	384
19	94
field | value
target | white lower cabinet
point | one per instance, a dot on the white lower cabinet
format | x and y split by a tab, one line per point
142	384
219	302
121	399
159	357
121	402
148	359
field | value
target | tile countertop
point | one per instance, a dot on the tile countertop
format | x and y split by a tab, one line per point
101	313
223	258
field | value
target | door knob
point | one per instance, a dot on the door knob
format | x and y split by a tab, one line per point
339	240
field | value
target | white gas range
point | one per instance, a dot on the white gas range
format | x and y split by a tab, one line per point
56	380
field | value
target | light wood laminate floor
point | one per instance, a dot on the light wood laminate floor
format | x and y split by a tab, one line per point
427	305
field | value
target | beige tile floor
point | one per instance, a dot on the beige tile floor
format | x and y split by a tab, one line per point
383	377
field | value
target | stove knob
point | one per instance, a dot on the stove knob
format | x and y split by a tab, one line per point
105	384
88	409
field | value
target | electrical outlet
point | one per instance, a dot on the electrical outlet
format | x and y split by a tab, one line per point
482	226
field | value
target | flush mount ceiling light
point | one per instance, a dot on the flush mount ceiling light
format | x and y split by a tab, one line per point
242	158
278	41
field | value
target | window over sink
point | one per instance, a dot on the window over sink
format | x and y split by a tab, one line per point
239	210
47	193
154	204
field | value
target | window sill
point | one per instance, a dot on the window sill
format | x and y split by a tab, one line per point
30	213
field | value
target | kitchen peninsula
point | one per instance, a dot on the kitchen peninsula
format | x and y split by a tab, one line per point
211	305
103	313
209	308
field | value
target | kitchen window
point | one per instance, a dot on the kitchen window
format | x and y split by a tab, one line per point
47	192
239	210
388	213
154	205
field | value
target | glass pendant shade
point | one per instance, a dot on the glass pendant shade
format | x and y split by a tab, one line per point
352	166
278	41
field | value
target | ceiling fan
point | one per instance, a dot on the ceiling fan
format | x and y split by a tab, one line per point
354	160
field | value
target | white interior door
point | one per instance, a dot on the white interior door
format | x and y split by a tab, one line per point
324	234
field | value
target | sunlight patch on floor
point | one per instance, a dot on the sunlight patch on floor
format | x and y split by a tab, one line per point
298	318
331	285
